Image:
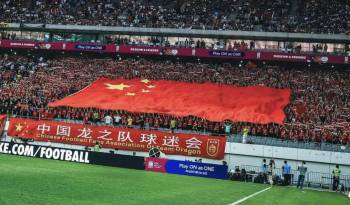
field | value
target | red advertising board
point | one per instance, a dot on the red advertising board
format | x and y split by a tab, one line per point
17	44
118	138
154	50
280	56
145	50
155	164
89	47
60	46
173	51
330	59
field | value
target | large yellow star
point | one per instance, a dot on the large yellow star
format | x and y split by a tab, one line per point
151	86
117	87
145	81
19	127
130	94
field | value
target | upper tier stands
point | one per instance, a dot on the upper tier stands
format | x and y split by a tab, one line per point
306	16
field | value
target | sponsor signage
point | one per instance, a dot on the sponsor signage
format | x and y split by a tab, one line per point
171	51
147	50
276	56
119	138
291	57
17	44
22	44
155	164
187	168
110	48
144	50
288	56
71	155
45	46
90	47
196	169
44	152
320	59
324	59
222	53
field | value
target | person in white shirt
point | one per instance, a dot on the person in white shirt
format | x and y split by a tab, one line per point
117	119
108	120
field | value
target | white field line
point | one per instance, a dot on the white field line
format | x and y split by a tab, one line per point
250	196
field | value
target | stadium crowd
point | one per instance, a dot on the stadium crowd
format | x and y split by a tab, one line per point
317	111
310	16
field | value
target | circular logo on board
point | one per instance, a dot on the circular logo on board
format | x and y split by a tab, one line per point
324	59
47	46
174	52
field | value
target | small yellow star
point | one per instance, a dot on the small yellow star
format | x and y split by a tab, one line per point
117	87
19	127
145	81
151	86
130	94
145	91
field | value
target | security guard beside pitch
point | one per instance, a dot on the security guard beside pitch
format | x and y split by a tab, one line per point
336	177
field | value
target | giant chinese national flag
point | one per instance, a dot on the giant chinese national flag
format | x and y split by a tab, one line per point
257	104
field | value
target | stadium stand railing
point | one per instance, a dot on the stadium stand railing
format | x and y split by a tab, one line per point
312	179
290	143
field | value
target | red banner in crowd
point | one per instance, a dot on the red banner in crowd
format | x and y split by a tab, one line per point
118	138
257	104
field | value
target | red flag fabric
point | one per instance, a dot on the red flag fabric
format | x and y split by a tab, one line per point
257	104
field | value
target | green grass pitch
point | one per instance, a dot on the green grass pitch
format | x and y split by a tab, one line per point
28	181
